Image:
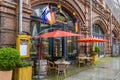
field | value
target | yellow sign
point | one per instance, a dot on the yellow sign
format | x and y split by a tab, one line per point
23	45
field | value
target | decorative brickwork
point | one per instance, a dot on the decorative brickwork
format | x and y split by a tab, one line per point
9	11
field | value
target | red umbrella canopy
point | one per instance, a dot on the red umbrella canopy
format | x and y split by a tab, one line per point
90	39
56	33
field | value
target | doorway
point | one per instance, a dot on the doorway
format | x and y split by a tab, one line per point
55	47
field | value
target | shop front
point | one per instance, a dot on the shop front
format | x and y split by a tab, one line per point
56	47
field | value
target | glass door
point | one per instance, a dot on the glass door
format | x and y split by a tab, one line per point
58	47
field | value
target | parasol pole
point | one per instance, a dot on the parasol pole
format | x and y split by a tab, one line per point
39	50
39	59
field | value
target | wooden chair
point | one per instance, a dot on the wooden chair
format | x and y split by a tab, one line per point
50	66
61	68
90	61
81	61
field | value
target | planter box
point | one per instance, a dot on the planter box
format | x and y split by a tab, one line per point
95	57
5	75
24	73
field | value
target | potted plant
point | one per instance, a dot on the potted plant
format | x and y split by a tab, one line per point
47	56
95	53
9	58
23	71
71	55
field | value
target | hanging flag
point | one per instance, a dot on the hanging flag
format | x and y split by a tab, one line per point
48	16
76	26
53	20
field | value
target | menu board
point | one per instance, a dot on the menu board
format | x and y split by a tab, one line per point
23	47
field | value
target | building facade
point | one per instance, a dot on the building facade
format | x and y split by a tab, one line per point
66	17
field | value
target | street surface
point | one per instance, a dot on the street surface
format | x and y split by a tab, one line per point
106	71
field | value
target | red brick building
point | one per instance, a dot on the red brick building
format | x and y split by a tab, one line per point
66	16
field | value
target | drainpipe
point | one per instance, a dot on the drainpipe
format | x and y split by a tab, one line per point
91	18
111	31
20	16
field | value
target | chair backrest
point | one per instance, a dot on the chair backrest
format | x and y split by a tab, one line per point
61	67
51	64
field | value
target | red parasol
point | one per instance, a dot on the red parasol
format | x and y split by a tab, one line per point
56	33
90	39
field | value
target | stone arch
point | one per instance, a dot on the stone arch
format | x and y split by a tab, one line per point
116	32
69	6
99	20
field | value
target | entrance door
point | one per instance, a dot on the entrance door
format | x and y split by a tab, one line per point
58	48
56	45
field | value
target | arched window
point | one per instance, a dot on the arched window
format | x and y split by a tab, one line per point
97	32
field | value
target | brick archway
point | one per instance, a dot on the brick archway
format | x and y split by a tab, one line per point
69	6
101	22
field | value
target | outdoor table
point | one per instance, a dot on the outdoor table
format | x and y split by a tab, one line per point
62	62
85	59
66	63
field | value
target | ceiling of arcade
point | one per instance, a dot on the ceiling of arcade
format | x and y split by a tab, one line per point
69	5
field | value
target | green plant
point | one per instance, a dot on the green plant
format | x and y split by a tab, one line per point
24	63
9	58
46	56
96	51
71	54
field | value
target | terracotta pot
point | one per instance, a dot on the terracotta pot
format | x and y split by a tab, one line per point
5	75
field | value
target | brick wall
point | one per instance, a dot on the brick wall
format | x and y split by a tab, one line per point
9	22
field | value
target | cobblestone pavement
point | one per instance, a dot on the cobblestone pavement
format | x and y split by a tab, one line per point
106	71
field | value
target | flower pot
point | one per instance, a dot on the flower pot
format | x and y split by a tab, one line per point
95	58
24	73
5	75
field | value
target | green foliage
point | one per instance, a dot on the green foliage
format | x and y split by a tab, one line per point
9	58
24	63
46	56
71	54
96	51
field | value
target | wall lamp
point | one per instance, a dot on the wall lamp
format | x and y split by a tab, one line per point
59	5
74	13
